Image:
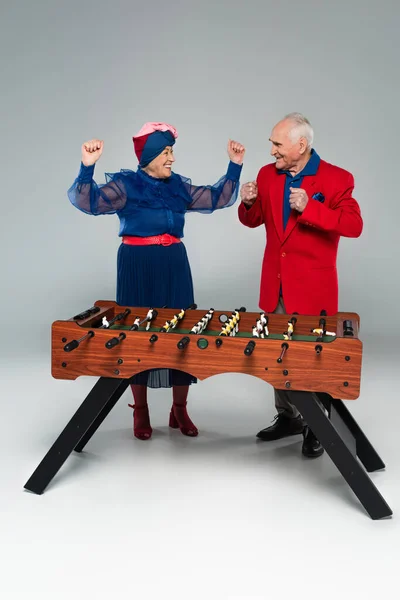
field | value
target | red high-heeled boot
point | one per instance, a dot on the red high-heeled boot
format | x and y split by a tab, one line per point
179	419
141	420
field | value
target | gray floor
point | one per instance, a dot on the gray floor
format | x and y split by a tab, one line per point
217	517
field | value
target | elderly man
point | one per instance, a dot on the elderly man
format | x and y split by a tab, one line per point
305	204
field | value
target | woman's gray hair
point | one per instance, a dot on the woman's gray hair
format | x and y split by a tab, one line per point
302	128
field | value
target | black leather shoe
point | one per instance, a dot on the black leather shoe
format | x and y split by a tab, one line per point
283	427
312	447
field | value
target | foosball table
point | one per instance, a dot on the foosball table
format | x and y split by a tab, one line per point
316	359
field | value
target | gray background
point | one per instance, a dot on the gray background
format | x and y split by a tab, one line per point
220	516
72	71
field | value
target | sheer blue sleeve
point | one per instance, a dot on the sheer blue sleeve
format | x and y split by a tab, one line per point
93	199
224	193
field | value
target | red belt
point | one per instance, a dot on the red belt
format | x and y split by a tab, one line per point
165	240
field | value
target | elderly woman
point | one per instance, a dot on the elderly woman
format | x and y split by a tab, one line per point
152	267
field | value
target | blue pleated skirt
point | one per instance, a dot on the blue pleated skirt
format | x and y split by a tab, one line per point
152	277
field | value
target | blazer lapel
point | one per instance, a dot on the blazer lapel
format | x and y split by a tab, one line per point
308	184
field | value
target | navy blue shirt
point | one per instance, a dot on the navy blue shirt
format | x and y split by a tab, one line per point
149	206
311	168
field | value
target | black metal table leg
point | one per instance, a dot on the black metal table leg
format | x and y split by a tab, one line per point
98	421
365	451
341	455
344	432
105	392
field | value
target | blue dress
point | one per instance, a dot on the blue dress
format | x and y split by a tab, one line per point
154	275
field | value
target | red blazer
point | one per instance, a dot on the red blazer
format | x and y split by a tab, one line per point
303	257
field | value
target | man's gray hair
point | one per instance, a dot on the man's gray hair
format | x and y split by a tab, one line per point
302	128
